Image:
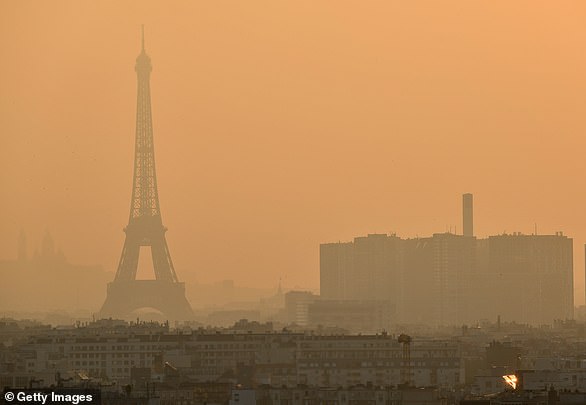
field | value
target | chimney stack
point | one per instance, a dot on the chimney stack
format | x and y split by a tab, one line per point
467	213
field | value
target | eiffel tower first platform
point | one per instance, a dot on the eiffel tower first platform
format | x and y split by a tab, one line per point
145	228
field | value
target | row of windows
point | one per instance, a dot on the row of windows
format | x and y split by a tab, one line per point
225	354
362	354
379	364
227	346
116	347
104	356
114	363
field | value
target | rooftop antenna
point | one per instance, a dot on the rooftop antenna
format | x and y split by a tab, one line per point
142	27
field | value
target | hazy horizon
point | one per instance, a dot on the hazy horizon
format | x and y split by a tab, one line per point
280	126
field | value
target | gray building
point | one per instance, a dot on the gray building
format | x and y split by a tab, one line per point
450	279
532	277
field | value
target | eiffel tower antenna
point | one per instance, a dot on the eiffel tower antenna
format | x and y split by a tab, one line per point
145	226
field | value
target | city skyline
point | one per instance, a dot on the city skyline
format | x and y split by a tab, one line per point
265	151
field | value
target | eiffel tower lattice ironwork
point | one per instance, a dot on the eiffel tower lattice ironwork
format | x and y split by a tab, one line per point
145	227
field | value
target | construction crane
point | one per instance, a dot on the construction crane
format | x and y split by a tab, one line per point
405	340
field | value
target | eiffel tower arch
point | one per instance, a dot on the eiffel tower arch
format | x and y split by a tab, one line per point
145	227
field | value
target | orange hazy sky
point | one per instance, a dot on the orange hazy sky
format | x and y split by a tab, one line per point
283	125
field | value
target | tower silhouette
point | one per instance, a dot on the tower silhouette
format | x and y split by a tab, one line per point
145	227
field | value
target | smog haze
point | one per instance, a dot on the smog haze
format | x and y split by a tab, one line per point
279	126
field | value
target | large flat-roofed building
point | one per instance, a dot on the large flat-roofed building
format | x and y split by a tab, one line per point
417	287
421	280
533	277
453	271
450	279
367	269
376	271
336	262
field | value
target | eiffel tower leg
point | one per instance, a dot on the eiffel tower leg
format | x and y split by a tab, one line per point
128	265
161	261
171	267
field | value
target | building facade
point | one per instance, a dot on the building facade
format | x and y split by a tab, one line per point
450	279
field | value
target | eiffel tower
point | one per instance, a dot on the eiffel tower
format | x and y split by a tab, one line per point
145	228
